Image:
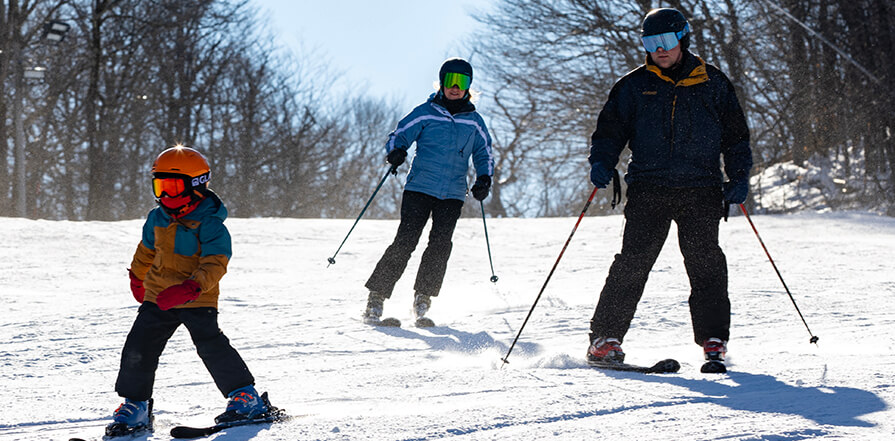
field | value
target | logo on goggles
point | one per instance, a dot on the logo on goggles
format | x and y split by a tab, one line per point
199	180
452	79
667	41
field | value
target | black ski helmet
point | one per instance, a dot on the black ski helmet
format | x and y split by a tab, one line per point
454	65
662	20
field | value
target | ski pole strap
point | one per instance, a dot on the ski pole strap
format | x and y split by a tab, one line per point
616	189
726	210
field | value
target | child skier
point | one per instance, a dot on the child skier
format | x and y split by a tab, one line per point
174	275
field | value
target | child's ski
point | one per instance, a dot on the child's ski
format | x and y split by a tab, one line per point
121	433
198	432
272	415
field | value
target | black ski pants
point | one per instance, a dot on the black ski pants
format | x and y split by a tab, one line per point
648	215
415	211
151	331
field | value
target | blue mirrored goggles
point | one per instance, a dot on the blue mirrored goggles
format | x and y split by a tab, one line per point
667	40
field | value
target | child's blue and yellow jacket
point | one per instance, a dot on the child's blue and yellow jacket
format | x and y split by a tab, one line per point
196	246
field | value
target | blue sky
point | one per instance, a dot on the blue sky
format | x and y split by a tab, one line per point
388	48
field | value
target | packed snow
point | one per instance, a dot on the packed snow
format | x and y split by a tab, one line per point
66	309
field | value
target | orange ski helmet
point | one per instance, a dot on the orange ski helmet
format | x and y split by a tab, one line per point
180	178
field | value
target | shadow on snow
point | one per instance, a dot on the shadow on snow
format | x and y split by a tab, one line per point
834	405
445	338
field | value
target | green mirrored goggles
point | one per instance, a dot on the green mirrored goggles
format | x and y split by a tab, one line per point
452	79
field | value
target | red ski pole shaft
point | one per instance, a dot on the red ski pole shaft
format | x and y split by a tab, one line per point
770	259
555	264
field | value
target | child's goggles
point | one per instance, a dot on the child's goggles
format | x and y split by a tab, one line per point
667	40
452	79
168	185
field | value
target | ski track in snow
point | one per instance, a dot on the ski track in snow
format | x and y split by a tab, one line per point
67	309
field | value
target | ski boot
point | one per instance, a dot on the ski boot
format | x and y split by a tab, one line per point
245	404
714	350
605	349
421	304
374	308
130	418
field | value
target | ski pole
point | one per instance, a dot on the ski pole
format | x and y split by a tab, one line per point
488	243
549	275
392	170
814	338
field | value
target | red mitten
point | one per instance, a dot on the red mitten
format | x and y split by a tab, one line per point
136	287
176	295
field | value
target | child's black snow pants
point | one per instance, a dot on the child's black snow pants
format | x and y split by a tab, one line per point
151	331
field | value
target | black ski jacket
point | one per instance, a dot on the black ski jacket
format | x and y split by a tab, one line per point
676	131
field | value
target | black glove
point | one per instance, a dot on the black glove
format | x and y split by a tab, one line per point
600	175
396	156
735	191
481	187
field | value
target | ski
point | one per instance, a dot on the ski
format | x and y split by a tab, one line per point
390	322
199	432
424	322
272	415
667	366
116	433
713	367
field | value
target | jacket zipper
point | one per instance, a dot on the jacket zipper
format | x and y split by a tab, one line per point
673	108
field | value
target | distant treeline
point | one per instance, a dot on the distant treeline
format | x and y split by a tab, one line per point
132	77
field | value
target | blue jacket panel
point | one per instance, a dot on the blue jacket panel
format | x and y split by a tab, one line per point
677	131
444	144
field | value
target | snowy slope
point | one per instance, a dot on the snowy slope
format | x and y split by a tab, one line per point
66	310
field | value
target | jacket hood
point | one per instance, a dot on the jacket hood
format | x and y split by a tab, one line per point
211	206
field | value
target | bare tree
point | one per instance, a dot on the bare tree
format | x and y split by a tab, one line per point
550	64
809	73
21	26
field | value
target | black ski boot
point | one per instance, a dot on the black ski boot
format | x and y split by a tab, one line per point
714	349
421	304
374	308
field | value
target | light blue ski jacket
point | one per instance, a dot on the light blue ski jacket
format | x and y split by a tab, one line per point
444	143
